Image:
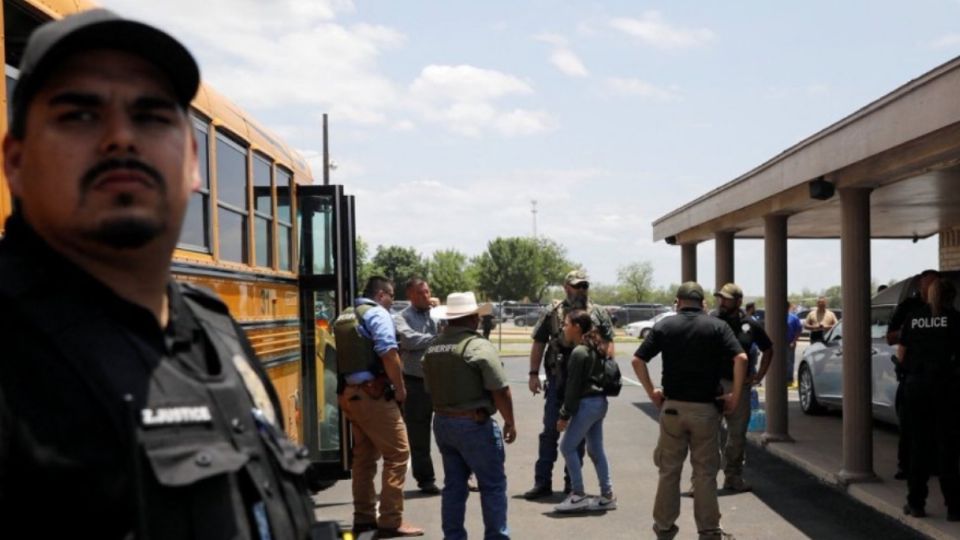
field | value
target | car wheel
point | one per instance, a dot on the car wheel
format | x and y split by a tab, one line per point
644	333
518	321
808	395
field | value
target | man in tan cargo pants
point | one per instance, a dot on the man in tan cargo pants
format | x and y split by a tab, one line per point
695	347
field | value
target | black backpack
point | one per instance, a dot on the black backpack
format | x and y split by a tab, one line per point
608	377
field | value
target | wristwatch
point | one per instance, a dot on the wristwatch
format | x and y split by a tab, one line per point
534	373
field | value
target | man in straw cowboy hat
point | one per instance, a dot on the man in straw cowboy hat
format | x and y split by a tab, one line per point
467	384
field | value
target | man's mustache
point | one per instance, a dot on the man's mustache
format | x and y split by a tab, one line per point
87	180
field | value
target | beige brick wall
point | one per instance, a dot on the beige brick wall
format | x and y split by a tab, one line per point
950	249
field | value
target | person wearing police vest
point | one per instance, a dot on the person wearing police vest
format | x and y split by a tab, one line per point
131	406
582	413
467	385
552	349
930	345
373	390
750	334
915	301
695	349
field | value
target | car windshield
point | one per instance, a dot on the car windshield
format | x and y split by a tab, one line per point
879	320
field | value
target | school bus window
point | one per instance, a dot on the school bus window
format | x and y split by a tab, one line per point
232	199
263	210
284	222
196	225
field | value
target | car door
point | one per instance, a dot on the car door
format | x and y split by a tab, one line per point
828	373
883	373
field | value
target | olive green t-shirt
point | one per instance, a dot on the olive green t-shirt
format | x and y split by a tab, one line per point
463	381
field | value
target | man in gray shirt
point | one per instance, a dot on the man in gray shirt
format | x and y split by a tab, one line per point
415	332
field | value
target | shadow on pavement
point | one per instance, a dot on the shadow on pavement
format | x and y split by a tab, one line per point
814	508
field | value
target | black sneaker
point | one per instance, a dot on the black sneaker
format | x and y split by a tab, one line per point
900	475
915	512
953	515
538	492
429	488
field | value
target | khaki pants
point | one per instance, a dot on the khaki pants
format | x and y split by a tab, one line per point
686	425
737	423
378	431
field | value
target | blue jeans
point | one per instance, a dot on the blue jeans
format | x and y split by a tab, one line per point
466	447
547	450
791	356
587	424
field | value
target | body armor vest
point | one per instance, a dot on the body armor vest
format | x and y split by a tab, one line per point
453	383
354	351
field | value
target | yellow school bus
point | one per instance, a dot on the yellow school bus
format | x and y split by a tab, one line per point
276	248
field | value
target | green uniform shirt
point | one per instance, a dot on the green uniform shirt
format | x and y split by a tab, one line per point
461	369
584	369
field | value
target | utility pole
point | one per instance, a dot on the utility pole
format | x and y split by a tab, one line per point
533	211
326	153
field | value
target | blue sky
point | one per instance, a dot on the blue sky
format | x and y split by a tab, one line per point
448	118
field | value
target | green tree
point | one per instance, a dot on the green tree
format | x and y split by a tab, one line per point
365	268
448	273
637	277
520	268
552	264
399	264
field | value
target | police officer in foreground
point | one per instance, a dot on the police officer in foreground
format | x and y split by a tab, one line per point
749	333
131	406
373	392
551	348
695	349
915	301
468	386
930	345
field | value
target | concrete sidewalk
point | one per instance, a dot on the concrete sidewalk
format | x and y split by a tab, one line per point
817	448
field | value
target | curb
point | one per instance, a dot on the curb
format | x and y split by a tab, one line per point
856	491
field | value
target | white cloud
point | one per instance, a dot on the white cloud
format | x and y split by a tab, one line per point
946	41
466	83
651	29
638	88
568	63
284	53
562	57
465	100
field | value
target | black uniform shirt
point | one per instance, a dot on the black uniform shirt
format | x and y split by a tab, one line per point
902	311
749	332
932	342
695	348
65	444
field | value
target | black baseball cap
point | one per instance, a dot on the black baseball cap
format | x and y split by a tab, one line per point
51	42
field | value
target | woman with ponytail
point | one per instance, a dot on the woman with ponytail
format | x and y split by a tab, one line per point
581	416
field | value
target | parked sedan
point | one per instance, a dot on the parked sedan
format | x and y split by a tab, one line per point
529	318
641	329
820	374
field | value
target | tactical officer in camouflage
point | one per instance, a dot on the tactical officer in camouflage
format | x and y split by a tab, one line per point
130	405
551	348
467	385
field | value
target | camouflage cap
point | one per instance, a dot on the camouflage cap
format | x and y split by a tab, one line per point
730	291
576	277
691	290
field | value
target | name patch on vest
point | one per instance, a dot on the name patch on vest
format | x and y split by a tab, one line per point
442	348
168	416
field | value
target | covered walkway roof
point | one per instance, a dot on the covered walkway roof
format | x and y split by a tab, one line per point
905	145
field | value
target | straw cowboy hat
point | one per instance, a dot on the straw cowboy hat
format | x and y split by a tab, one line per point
461	304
